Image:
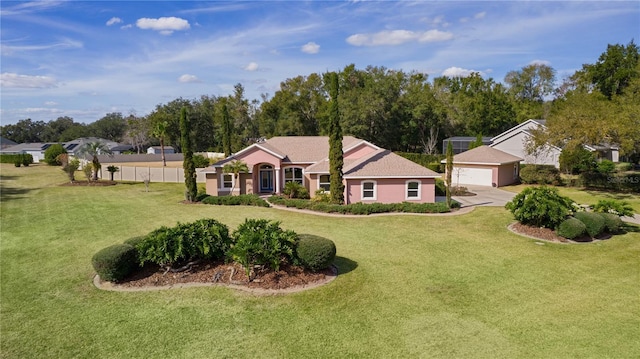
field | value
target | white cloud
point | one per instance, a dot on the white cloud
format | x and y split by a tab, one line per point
252	66
124	27
165	25
13	80
310	48
51	103
540	62
113	21
458	72
398	37
186	78
480	15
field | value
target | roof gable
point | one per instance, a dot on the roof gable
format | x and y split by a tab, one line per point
484	155
525	126
386	164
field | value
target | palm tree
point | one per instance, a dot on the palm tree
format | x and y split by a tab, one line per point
93	149
160	131
236	167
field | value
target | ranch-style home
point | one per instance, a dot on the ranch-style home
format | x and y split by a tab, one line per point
370	173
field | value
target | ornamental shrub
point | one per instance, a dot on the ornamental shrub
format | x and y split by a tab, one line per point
51	154
571	228
240	200
612	223
540	174
202	239
115	263
594	222
315	253
619	208
200	161
294	189
262	242
540	207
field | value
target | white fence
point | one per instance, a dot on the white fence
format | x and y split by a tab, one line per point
154	174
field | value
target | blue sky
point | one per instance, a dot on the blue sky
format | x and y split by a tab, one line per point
84	59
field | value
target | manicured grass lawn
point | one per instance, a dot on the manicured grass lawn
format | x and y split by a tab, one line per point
409	286
583	196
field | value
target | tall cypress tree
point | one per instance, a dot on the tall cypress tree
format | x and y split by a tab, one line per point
336	159
449	170
189	167
226	129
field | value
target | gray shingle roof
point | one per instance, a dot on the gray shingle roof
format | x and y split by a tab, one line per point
485	155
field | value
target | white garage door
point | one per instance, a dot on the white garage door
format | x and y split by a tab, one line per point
473	176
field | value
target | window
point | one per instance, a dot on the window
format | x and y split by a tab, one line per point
368	190
227	180
292	174
413	190
324	183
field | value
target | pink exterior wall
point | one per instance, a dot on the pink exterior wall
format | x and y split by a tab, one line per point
505	174
390	190
358	151
256	155
211	184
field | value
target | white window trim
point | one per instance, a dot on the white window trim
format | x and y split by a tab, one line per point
324	174
221	185
284	174
406	190
375	190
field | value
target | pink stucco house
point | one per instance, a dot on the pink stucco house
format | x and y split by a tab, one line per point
371	174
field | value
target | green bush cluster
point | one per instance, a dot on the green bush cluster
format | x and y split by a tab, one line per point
51	154
617	182
441	187
315	253
593	221
200	161
262	242
202	239
115	262
241	200
322	196
20	159
571	228
432	162
540	207
619	208
540	174
362	208
294	189
612	223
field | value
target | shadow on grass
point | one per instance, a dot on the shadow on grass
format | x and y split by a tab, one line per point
345	265
10	193
610	194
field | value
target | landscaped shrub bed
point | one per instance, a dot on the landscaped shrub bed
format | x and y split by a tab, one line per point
593	221
22	158
256	243
540	174
241	200
571	228
115	262
612	222
362	208
540	207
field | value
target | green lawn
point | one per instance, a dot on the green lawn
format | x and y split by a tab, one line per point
583	196
409	286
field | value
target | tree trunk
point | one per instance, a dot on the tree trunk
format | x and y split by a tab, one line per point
164	161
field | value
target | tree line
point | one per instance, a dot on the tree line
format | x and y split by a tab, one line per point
397	110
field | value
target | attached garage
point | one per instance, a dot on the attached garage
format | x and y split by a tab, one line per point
485	166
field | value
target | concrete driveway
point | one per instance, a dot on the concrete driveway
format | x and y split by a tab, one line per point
485	196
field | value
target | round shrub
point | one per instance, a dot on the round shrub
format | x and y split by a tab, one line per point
135	241
540	206
612	222
571	228
51	154
116	262
315	253
593	221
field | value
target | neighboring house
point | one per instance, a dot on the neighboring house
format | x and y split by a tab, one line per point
485	166
5	142
515	139
461	143
37	149
371	174
156	150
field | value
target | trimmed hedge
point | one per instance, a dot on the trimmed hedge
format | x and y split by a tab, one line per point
115	262
540	174
594	222
612	223
21	158
315	253
241	200
571	228
362	208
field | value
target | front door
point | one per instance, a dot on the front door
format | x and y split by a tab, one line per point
266	180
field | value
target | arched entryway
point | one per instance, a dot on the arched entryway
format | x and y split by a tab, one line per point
266	179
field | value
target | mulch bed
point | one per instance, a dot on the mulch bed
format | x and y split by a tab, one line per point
550	235
221	273
99	183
